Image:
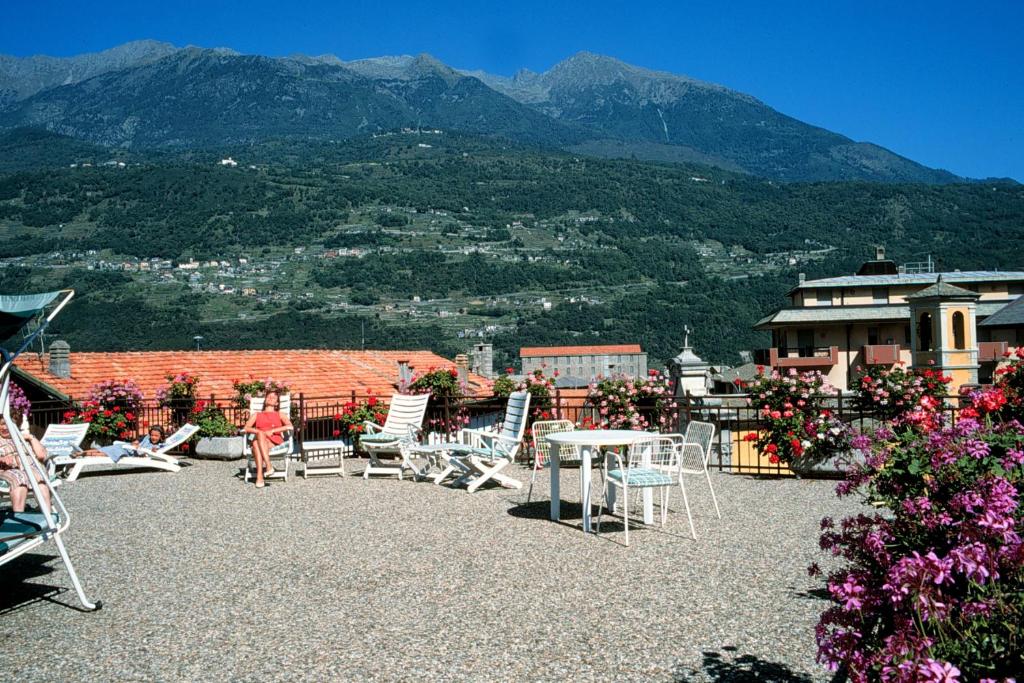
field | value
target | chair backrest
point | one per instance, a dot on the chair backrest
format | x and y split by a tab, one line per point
657	452
183	434
285	408
513	425
405	411
63	440
696	447
542	450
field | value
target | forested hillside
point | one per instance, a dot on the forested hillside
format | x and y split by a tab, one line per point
421	238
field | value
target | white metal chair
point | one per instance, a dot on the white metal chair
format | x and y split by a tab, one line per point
282	450
405	411
648	463
694	454
542	451
487	453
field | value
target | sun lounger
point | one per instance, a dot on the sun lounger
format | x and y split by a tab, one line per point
144	458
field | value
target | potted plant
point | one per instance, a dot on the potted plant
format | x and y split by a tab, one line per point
179	396
218	436
797	429
112	411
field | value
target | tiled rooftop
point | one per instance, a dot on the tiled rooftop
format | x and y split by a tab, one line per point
538	351
315	373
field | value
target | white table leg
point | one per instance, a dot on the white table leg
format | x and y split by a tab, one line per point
556	507
585	455
648	492
648	506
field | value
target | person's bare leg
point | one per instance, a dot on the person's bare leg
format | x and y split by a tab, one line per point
258	457
265	446
44	492
18	496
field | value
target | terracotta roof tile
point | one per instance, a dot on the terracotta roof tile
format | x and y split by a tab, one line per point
315	373
535	351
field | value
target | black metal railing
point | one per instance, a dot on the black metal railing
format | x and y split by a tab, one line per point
314	419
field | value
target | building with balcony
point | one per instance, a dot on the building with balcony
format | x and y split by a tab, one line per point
838	324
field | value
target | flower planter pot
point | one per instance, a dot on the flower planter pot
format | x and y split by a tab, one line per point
220	448
837	465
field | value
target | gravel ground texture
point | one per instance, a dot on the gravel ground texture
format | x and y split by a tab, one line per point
204	577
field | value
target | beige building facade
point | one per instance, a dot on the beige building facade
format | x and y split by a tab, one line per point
837	325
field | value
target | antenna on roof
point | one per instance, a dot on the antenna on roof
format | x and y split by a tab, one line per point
362	335
198	339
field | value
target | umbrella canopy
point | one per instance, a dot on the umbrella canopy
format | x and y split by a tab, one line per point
17	310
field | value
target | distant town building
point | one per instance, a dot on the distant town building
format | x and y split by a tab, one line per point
229	162
585	362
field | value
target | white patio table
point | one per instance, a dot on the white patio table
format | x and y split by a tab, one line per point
588	441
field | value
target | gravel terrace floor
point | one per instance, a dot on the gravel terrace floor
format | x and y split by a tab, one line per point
203	577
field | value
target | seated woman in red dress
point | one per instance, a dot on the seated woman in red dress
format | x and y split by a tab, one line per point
267	427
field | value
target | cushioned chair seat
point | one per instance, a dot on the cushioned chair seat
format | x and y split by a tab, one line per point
641	477
379	437
15	526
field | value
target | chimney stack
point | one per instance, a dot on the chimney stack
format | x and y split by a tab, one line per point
60	359
483	360
462	363
404	375
879	253
800	277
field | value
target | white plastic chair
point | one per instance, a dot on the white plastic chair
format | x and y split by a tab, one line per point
143	458
405	412
648	463
542	452
60	442
487	453
282	450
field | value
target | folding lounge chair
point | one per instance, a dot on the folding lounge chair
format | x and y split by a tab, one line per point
487	453
282	450
405	412
144	458
22	532
60	441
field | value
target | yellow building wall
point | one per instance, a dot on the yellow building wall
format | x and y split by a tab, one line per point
968	332
746	459
960	378
960	358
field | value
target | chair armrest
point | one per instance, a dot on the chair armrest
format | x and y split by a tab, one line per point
370	425
476	436
702	455
495	439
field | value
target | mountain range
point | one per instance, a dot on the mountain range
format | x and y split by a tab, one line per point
152	95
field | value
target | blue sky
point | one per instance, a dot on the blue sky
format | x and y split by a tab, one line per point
940	82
